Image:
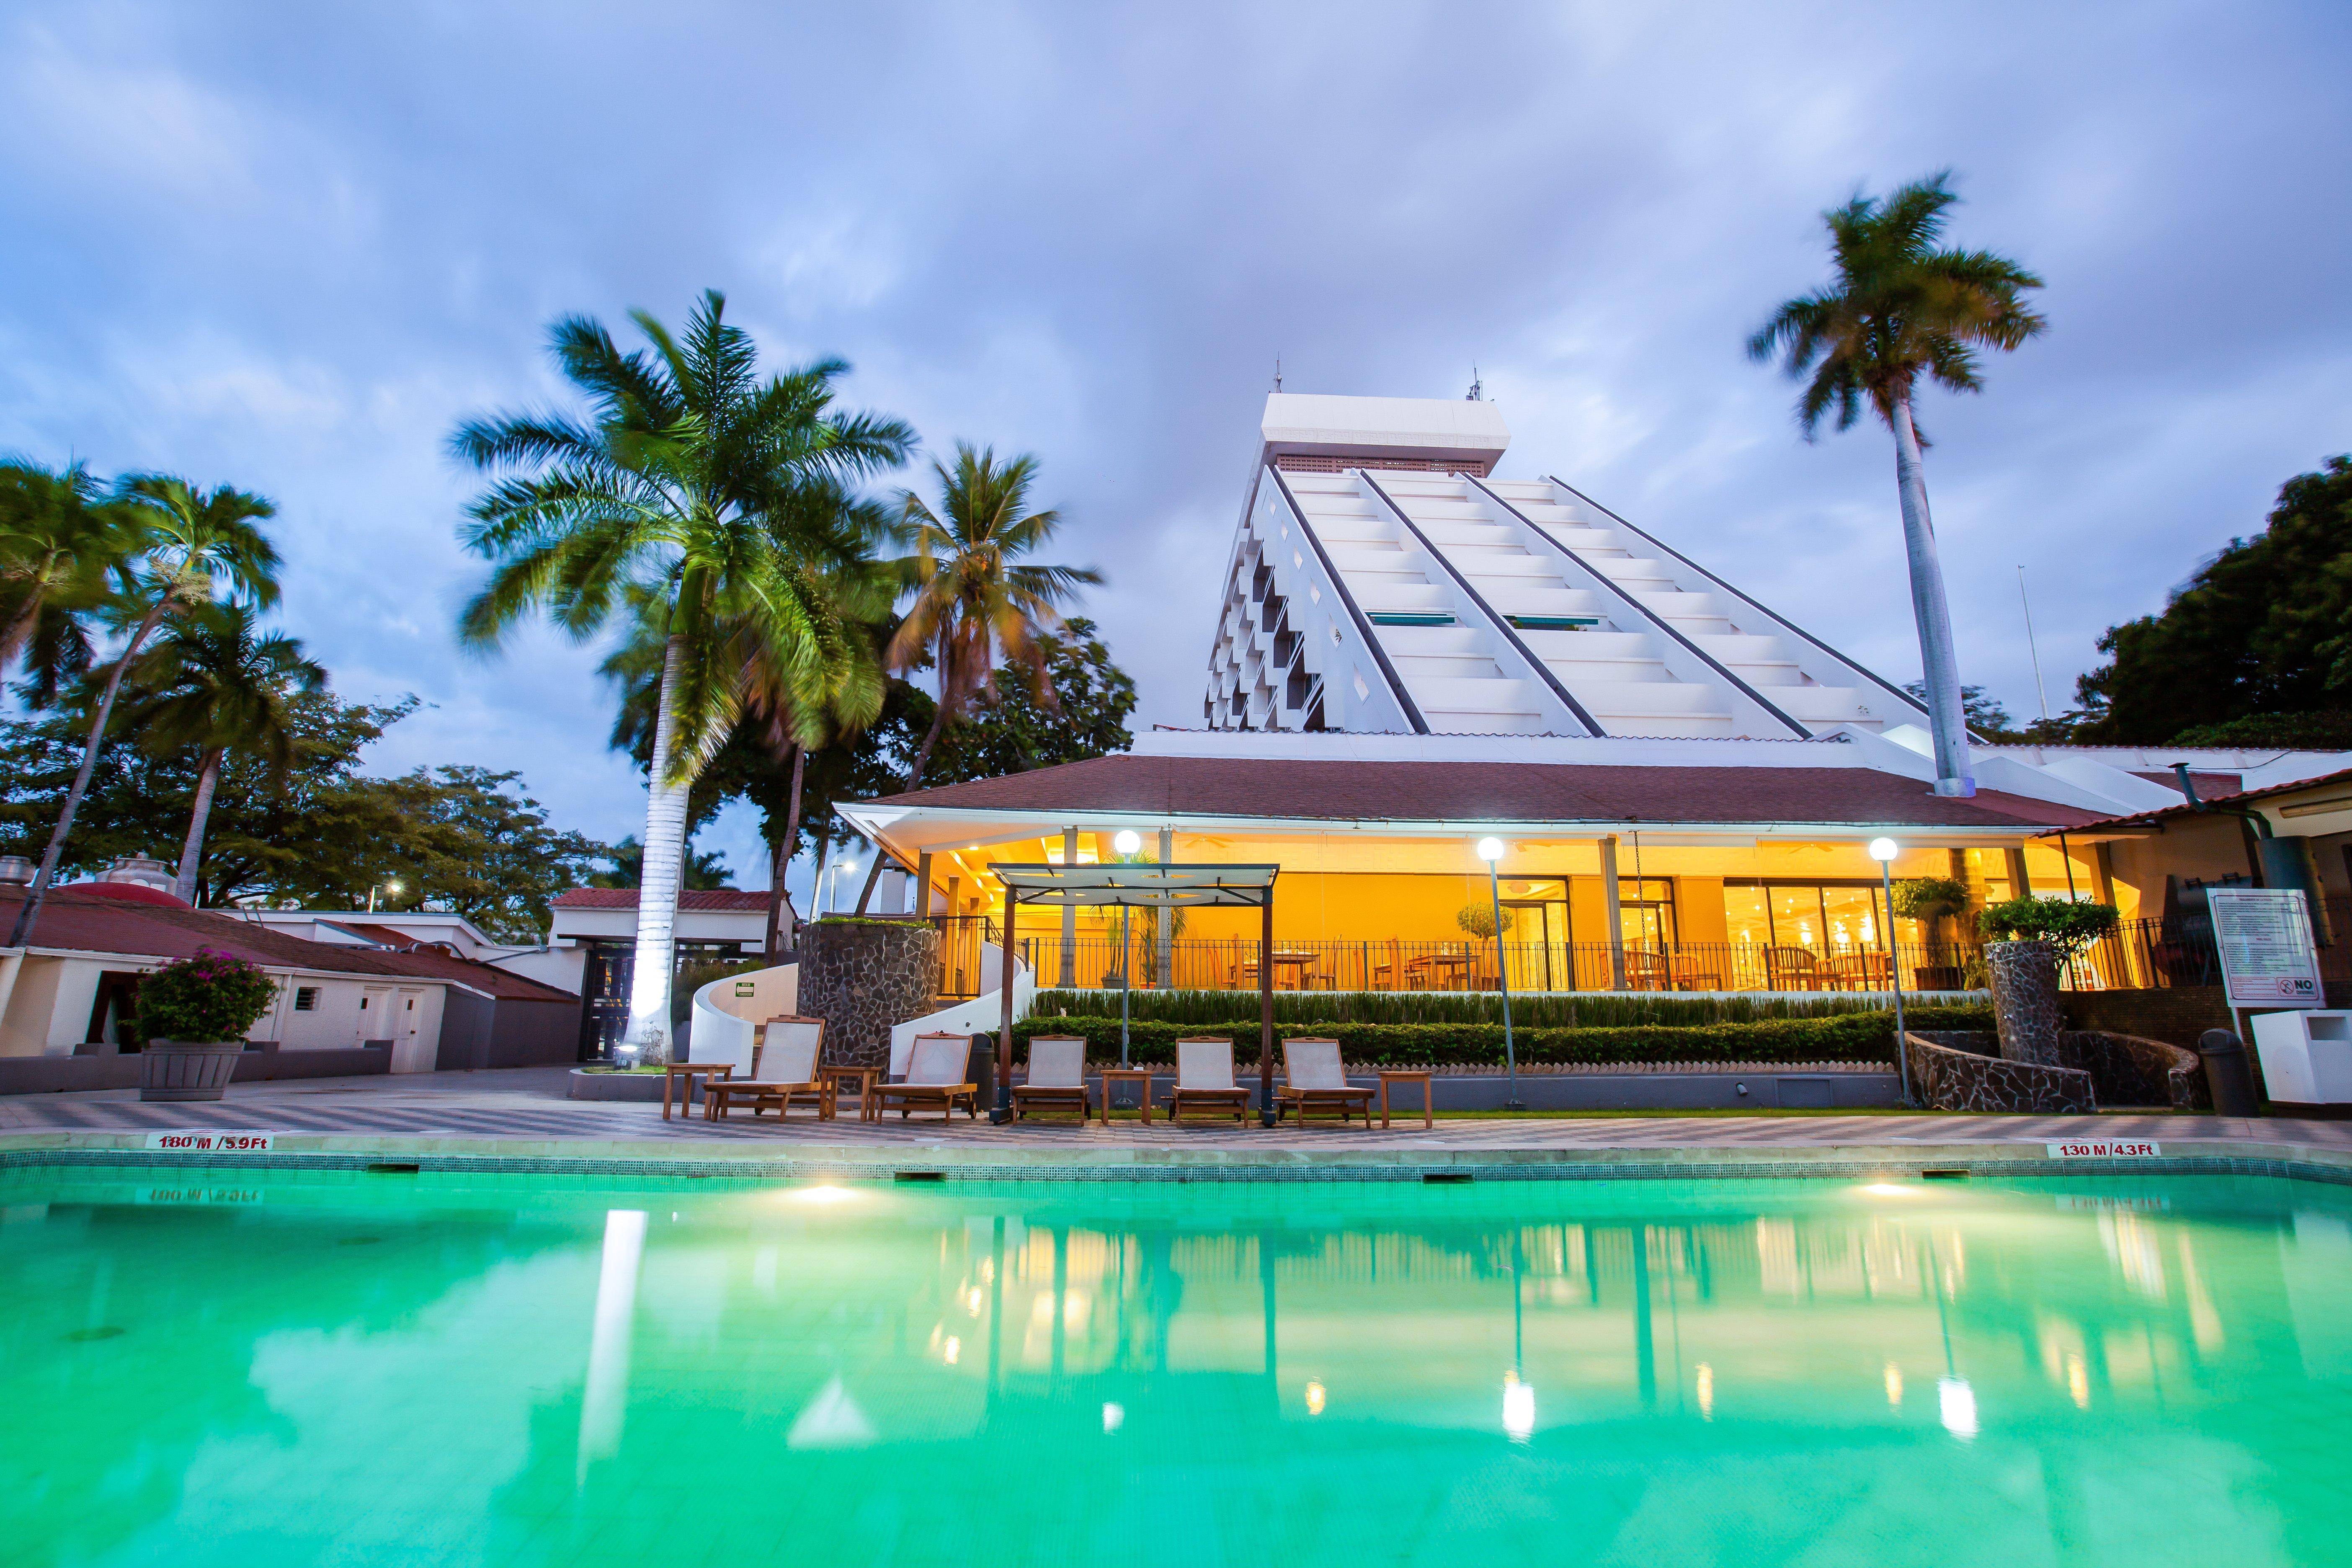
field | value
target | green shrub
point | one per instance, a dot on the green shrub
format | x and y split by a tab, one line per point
1853	1035
1925	898
210	999
2067	926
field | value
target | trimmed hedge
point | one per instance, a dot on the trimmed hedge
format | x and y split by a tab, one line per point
1862	1036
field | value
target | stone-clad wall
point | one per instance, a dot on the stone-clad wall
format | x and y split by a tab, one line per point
863	976
1959	1070
2176	1015
2129	1070
2024	976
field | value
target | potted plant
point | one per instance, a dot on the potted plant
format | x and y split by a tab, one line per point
1932	899
2030	938
193	1015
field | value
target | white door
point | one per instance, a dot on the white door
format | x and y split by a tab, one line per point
375	1014
411	1050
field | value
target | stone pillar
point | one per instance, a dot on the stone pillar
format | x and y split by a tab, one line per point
2025	1001
1165	969
1069	915
1616	914
861	976
2021	886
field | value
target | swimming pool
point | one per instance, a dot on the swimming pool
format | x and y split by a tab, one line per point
358	1369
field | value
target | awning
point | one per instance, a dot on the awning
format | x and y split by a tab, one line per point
1138	885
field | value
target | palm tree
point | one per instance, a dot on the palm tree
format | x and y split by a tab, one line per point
975	598
1901	307
181	547
217	685
60	540
702	499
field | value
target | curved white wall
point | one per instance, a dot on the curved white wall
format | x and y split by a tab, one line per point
723	1020
985	1014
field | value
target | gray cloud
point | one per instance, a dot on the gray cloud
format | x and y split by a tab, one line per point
288	248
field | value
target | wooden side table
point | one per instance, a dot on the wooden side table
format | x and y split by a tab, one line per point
1408	1074
1140	1078
673	1071
833	1078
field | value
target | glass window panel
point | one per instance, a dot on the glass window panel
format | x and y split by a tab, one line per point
1797	917
1745	920
1851	917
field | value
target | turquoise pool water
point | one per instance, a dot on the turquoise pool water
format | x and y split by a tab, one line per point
204	1367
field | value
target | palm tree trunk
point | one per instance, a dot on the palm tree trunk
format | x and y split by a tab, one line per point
914	779
31	909
778	942
1947	714
659	876
193	850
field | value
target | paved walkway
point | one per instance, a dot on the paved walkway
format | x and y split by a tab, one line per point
528	1103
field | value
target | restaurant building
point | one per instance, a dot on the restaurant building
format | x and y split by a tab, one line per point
1412	654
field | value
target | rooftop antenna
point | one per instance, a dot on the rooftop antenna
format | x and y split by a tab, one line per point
2042	690
1278	373
1477	388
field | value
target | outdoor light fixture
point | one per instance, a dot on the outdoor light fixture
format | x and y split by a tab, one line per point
1884	851
1490	850
1128	842
1518	1407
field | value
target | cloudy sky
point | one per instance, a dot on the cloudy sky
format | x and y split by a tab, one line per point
288	247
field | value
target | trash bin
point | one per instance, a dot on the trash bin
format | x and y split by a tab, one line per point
2227	1073
2306	1056
982	1069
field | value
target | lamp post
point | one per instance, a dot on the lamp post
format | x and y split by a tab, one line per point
391	888
1490	850
1126	844
1884	851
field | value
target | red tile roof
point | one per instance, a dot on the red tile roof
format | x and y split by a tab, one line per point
1501	792
2236	801
81	920
723	899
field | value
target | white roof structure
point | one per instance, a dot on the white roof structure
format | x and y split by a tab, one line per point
1383	582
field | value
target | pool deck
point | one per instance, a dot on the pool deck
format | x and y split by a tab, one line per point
520	1120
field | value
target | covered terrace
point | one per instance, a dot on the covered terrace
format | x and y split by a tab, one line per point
1746	879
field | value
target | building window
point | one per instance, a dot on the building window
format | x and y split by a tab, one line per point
306	998
1646	912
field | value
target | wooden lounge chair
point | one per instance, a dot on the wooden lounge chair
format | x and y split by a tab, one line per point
1791	969
1057	1076
1317	1080
1205	1076
783	1068
937	1073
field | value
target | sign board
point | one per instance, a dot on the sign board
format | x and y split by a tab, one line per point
207	1142
2103	1149
746	988
2265	937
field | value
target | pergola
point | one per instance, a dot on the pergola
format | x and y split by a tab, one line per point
1144	886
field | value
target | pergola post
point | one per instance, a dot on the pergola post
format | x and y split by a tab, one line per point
1616	916
1266	1011
1002	1111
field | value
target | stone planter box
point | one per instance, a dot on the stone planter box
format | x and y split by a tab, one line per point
638	1088
862	976
183	1070
2025	1007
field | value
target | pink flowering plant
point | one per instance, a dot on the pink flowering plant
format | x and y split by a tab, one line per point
211	998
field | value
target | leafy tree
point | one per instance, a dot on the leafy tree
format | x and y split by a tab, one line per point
1011	732
707	502
975	597
179	548
62	540
1903	307
214	684
2257	644
320	835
